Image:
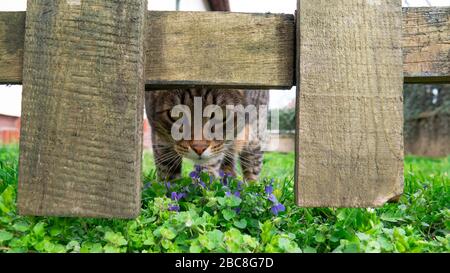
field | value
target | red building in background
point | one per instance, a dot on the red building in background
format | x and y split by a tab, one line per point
9	129
147	135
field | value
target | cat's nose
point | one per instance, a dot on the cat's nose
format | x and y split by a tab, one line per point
199	148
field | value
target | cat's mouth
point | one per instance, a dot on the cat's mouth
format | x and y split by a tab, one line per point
203	159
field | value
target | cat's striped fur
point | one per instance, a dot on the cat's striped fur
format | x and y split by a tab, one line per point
218	154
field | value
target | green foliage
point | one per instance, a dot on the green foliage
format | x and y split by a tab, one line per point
215	219
420	99
8	166
286	119
425	101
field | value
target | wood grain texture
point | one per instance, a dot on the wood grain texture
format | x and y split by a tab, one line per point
426	48
426	45
193	48
82	105
12	34
349	110
220	49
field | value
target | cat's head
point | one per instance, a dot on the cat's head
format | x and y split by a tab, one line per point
202	150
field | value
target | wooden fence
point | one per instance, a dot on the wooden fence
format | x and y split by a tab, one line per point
84	65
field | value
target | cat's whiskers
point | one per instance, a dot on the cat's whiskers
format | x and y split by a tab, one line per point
173	166
229	161
178	163
166	157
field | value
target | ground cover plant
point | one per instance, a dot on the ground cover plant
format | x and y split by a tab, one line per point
201	214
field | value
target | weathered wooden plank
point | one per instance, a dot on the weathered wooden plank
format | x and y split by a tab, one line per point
349	109
83	86
220	49
12	34
426	45
426	48
197	48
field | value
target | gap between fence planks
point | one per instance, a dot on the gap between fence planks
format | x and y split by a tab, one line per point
349	150
82	105
265	48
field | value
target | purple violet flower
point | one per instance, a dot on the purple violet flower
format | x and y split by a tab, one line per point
269	189
194	175
174	208
272	198
277	208
175	196
237	194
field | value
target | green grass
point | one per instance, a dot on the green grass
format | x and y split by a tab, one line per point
211	221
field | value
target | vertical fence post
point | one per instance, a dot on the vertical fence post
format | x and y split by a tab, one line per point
82	109
349	104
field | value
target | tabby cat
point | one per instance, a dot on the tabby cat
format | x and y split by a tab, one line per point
213	155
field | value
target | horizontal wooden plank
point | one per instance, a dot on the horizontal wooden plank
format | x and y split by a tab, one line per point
242	50
220	49
12	36
426	45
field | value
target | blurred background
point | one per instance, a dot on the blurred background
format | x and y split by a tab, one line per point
427	107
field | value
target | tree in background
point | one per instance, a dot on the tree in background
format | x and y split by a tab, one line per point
214	5
286	121
427	119
219	5
426	114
